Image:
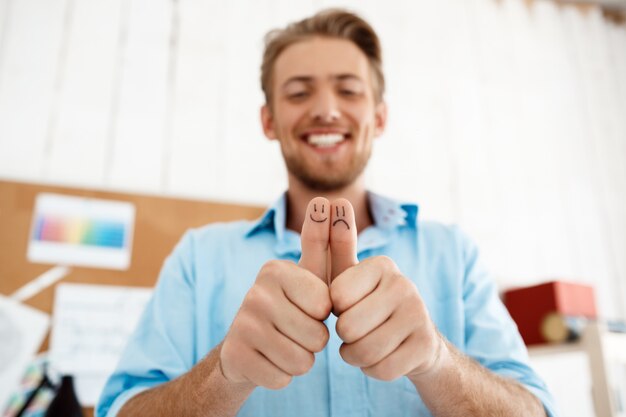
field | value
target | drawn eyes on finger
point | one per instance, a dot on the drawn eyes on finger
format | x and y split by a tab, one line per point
341	216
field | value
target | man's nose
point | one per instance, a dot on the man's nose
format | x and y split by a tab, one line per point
325	107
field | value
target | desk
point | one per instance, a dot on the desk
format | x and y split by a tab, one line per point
159	224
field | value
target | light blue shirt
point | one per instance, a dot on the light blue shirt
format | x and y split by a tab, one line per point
205	279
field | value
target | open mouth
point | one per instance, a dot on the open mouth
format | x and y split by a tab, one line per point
325	140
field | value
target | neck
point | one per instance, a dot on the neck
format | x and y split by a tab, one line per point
298	197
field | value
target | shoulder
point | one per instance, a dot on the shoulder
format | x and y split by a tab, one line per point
204	248
208	239
448	243
443	236
219	230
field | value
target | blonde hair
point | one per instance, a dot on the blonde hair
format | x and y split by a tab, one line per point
332	23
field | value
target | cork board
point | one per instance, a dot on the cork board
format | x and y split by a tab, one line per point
159	224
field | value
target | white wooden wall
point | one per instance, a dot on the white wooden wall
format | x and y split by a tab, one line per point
506	119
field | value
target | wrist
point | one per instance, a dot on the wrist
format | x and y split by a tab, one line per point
440	361
213	368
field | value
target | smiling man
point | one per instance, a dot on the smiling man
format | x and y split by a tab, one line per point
337	302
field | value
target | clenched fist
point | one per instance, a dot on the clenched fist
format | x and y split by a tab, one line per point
279	325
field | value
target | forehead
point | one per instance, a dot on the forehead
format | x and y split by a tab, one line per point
320	58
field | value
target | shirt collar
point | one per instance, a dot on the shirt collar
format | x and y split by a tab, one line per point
388	215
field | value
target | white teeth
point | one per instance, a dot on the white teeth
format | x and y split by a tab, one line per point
325	140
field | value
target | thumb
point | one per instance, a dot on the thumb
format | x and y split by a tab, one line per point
314	237
343	237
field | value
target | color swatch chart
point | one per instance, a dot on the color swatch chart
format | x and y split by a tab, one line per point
80	231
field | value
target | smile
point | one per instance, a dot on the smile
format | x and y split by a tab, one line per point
325	140
318	221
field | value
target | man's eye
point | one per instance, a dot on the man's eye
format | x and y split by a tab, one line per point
298	95
348	93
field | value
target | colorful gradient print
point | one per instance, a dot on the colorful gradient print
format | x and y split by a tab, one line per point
77	231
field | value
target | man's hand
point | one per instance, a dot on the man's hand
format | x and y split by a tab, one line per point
279	325
382	319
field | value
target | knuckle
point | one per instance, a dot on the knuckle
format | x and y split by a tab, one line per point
383	373
368	357
385	262
385	265
272	268
339	300
323	307
345	330
320	339
258	299
245	325
371	371
399	285
278	381
347	353
304	364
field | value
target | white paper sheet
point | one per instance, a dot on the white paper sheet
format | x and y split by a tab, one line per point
91	325
22	330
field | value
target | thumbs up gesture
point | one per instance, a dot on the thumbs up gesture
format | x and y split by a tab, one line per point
382	320
279	325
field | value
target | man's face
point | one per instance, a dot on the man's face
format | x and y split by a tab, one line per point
323	112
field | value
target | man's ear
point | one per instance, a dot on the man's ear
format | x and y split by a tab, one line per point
267	121
380	115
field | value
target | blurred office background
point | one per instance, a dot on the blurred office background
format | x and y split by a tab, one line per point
506	117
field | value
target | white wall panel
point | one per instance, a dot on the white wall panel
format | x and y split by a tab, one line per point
503	139
140	113
417	112
617	41
31	44
197	125
82	129
4	11
253	169
600	149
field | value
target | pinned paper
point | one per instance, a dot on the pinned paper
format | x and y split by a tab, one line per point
91	326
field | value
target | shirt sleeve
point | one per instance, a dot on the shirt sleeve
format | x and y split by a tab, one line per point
491	336
162	346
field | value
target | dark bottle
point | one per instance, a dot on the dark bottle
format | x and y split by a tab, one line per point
65	403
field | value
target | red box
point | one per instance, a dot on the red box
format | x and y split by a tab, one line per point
530	305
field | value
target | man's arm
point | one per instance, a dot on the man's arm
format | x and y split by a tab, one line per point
388	333
458	386
274	336
203	391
